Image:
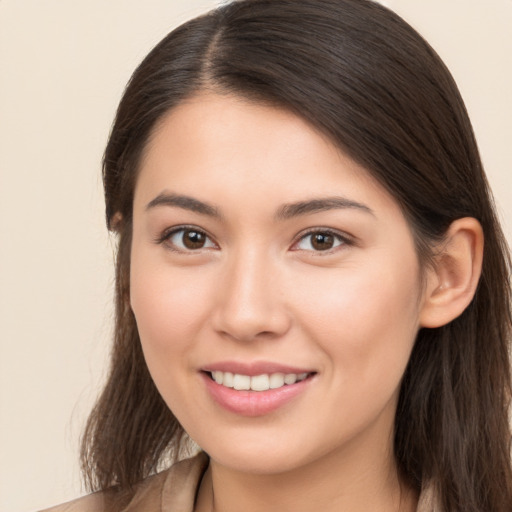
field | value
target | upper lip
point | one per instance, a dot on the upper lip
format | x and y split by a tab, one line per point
254	368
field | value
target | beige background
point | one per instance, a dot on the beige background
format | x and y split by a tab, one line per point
63	66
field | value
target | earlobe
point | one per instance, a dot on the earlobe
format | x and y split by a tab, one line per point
451	285
115	222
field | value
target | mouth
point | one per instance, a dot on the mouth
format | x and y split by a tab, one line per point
256	390
258	383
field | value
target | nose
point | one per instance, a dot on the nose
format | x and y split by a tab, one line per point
250	302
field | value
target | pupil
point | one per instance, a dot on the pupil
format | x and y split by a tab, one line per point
193	240
322	241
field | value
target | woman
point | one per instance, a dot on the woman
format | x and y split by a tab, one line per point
311	280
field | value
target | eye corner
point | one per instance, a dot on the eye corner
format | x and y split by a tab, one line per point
204	241
332	240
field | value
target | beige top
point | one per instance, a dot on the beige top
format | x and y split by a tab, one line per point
174	490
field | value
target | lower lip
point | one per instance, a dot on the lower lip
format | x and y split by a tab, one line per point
253	403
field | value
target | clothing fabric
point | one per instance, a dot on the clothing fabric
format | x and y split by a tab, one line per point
174	490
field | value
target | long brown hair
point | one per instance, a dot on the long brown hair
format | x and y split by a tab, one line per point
359	73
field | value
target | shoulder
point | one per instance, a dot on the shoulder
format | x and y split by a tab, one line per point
173	489
92	503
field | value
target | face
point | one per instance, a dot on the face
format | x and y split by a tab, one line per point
275	285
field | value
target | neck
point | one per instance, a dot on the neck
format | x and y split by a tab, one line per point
354	482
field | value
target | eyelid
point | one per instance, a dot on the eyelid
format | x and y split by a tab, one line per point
346	239
166	234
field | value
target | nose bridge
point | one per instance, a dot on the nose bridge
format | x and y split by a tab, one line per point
250	303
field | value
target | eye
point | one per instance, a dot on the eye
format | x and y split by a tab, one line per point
320	241
187	239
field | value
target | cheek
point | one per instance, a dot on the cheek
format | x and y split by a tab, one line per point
168	305
364	319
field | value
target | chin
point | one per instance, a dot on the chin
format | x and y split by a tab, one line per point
258	463
259	457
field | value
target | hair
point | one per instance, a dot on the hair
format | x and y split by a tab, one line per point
360	74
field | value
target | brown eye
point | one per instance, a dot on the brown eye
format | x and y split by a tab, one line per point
193	239
322	241
188	239
318	241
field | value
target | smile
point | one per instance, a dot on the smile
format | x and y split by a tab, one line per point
257	389
262	382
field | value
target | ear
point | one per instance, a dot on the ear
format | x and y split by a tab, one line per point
115	222
452	283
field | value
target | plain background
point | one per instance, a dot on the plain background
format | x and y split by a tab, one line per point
63	67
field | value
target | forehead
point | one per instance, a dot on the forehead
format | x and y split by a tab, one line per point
221	147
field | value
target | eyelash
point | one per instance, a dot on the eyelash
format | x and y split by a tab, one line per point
165	237
342	239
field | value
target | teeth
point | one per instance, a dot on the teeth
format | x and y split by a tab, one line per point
257	383
228	379
290	378
260	383
276	380
241	382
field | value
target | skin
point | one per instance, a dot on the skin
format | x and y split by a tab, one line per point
259	291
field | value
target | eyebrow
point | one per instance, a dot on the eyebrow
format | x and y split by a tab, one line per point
185	202
286	211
